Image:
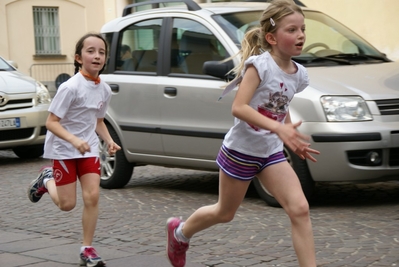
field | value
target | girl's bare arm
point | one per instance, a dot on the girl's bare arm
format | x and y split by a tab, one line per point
102	131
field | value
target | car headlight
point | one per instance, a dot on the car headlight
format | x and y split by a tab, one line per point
43	96
345	108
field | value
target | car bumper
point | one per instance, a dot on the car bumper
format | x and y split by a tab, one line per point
357	152
32	128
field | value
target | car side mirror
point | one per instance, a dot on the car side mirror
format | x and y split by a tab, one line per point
219	69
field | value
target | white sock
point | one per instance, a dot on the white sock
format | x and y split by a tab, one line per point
179	234
83	248
45	180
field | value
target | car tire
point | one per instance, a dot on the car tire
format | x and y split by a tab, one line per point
301	168
116	171
29	152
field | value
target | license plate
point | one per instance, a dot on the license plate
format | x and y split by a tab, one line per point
10	123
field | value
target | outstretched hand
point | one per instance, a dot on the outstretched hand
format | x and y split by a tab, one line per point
296	141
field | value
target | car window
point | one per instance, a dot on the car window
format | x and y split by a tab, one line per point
324	36
138	46
4	66
320	28
237	24
328	38
192	45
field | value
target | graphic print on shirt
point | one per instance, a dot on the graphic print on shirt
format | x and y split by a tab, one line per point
100	105
276	107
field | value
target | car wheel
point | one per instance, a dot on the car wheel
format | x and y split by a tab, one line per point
116	170
29	152
301	168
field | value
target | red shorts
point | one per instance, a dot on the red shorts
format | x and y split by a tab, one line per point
68	170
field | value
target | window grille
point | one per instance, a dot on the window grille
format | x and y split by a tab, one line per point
47	34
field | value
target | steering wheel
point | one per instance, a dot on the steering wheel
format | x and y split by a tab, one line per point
310	47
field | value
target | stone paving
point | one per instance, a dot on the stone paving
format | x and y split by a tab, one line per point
354	225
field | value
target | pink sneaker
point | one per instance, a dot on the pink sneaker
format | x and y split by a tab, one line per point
175	249
90	258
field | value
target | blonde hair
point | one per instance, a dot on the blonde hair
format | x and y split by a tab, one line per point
254	42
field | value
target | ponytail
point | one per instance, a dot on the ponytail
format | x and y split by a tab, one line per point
77	66
251	45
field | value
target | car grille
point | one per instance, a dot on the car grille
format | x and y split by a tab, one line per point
394	156
388	107
8	135
17	104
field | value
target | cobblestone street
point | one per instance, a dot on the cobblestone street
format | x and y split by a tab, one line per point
354	225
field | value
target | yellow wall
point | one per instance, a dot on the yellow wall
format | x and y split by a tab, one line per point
375	21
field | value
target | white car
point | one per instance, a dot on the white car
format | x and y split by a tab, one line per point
164	109
23	112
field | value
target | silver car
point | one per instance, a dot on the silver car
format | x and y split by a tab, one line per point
23	112
165	109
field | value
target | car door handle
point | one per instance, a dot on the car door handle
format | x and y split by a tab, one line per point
170	91
114	88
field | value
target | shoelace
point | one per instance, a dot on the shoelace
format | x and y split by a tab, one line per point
180	248
90	253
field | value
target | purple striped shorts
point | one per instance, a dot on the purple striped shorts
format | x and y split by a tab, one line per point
244	167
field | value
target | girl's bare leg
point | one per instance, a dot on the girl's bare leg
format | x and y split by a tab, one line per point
282	182
231	194
90	184
63	196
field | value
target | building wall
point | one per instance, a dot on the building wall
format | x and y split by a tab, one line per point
375	21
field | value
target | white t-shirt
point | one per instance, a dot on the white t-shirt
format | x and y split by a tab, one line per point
271	98
78	102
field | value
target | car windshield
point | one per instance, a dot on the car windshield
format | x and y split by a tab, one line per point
327	41
4	66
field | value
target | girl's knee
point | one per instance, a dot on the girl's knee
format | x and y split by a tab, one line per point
298	209
225	217
91	199
66	206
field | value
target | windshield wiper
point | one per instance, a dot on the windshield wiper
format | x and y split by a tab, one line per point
307	60
358	56
344	59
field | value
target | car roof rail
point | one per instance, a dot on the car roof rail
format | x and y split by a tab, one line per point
297	2
191	5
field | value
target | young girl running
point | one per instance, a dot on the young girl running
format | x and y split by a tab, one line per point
254	145
76	117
